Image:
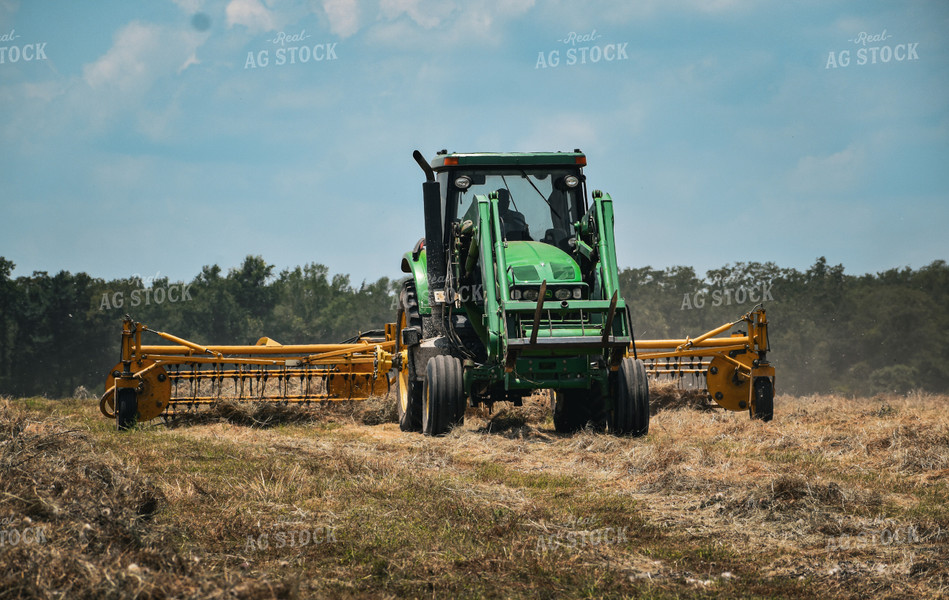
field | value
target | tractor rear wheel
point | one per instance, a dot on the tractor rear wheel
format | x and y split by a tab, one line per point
443	398
409	388
763	407
630	414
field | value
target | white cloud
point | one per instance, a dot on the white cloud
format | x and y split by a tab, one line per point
427	15
140	55
251	14
515	7
29	124
124	65
560	132
191	60
189	6
714	6
123	80
397	21
838	172
9	6
343	16
850	25
482	21
445	24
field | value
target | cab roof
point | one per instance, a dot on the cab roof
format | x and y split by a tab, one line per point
508	159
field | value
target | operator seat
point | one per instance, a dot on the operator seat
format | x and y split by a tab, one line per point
514	226
559	238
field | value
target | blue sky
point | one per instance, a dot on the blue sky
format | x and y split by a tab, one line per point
144	141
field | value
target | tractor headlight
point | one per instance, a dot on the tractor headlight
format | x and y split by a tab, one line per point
515	294
577	293
562	293
463	182
571	181
530	295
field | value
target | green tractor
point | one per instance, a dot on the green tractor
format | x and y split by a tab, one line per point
514	289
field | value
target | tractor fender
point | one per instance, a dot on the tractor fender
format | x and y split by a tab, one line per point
415	264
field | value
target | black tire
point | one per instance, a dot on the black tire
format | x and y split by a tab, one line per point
571	410
630	413
126	408
763	407
443	396
408	386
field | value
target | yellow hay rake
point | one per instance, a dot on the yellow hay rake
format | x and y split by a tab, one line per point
737	373
153	380
161	380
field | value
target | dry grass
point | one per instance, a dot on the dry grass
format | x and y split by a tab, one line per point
374	411
838	497
667	395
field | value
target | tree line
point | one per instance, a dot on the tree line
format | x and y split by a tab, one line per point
830	331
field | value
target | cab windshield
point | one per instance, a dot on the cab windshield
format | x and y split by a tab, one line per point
533	205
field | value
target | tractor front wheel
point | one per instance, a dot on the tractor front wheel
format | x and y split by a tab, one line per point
573	409
443	396
630	413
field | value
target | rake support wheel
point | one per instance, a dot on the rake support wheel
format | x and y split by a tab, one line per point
762	408
409	388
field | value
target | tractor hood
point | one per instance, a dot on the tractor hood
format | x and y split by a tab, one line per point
533	262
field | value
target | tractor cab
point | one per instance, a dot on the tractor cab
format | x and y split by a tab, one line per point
540	196
540	199
540	204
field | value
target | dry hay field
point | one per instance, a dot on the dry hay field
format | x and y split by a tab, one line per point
836	498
